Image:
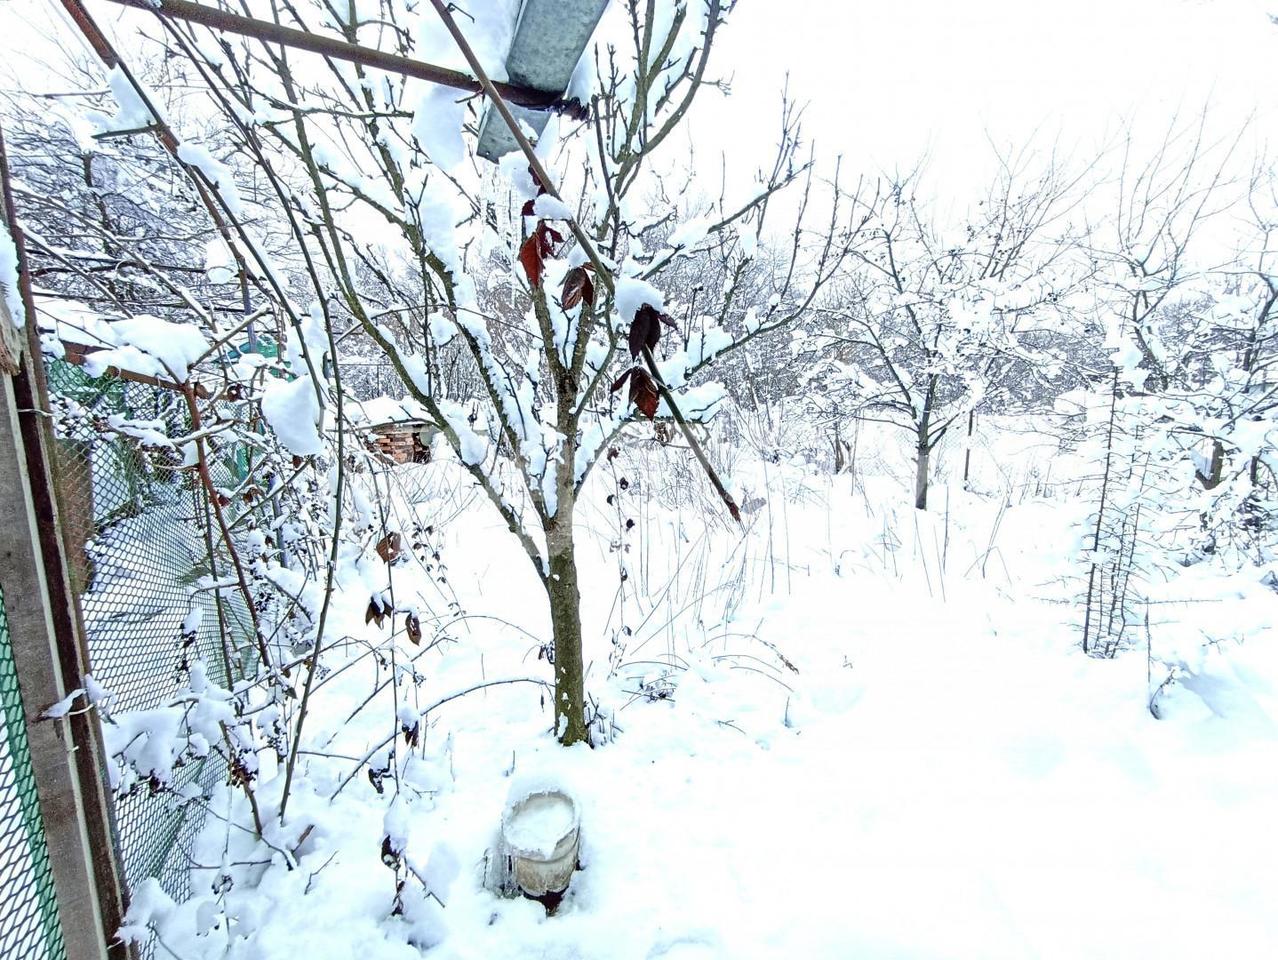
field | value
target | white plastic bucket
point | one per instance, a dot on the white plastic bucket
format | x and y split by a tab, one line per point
542	833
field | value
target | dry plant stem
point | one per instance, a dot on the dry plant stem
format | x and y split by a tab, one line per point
438	703
245	785
210	491
211	504
170	142
340	420
543	178
1100	514
313	667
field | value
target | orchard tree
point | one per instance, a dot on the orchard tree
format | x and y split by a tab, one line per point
1202	379
392	212
1150	290
932	320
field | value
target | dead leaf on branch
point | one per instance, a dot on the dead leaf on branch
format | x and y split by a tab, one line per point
388	548
645	329
643	391
375	612
412	731
414	628
390	852
578	287
539	245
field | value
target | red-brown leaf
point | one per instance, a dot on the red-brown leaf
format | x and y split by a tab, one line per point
645	331
530	256
541	187
643	393
550	237
414	628
539	245
388	548
577	287
621	380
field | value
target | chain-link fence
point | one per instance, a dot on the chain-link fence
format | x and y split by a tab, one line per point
137	526
29	928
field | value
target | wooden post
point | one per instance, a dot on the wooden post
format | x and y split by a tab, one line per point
50	653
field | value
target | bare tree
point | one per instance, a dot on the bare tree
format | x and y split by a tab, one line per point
935	321
1159	207
340	147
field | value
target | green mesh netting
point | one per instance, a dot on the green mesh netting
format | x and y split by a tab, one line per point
28	911
136	540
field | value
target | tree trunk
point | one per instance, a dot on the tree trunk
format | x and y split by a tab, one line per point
565	619
967	454
923	451
922	457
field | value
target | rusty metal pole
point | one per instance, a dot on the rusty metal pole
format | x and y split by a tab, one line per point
269	32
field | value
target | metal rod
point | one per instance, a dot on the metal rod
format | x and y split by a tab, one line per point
266	31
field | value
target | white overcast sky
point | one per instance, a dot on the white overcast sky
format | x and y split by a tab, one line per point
886	80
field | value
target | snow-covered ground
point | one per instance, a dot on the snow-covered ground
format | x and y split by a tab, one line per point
852	731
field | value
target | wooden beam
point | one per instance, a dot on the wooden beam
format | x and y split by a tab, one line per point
77	353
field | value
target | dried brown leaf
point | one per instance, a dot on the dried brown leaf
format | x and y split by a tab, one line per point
389	547
643	393
578	287
645	331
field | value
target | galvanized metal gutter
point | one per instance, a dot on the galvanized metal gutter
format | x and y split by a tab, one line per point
549	40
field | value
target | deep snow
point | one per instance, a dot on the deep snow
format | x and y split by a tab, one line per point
946	775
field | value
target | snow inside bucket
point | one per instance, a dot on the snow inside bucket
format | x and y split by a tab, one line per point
541	831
